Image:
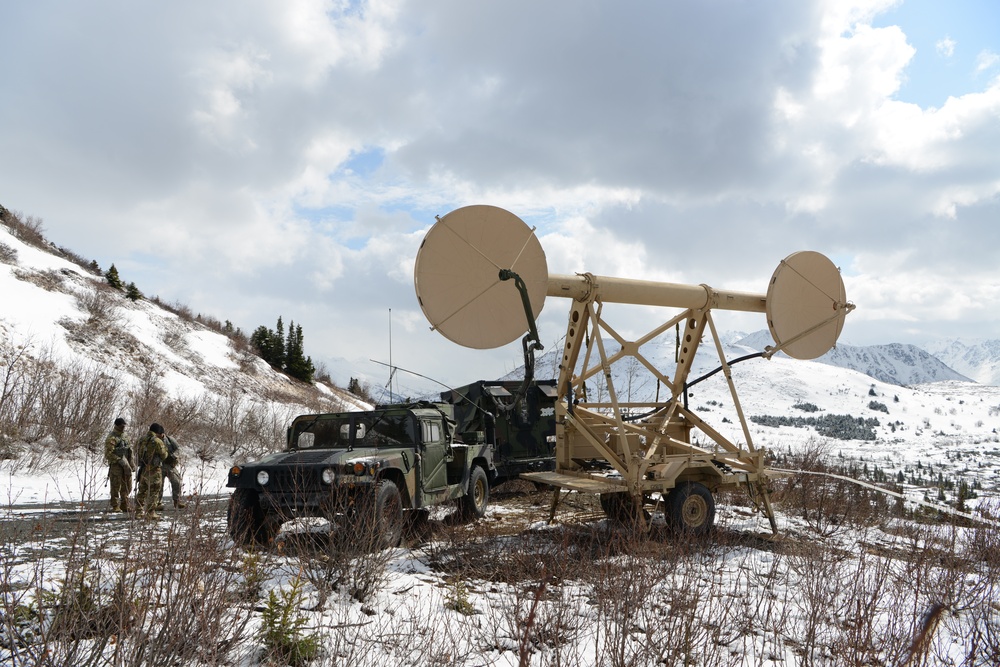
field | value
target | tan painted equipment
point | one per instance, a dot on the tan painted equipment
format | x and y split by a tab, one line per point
481	279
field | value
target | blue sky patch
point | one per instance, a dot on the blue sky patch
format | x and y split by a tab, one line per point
957	45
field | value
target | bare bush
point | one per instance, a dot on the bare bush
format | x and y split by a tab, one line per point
99	305
8	255
151	599
49	280
29	229
148	400
829	505
75	403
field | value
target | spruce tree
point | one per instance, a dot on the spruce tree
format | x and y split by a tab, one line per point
279	352
111	275
132	292
262	340
297	364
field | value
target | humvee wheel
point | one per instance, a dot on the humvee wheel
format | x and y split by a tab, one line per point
379	517
690	509
247	521
476	499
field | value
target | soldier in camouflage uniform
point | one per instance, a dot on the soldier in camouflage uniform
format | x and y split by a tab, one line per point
171	472
152	454
118	456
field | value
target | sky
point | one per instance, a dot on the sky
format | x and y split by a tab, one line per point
258	159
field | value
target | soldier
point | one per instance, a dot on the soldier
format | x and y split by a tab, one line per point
171	472
152	454
118	455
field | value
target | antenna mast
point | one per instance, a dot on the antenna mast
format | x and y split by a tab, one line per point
392	369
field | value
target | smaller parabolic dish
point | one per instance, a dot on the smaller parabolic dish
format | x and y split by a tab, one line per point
457	276
806	305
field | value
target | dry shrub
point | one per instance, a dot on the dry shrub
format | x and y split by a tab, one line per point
76	401
828	505
146	597
50	279
28	229
8	255
100	306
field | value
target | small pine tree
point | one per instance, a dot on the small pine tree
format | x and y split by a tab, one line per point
111	275
963	494
296	363
279	350
262	340
132	292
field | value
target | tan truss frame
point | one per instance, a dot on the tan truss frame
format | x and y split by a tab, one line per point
654	453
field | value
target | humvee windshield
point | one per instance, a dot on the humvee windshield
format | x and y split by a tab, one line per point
348	431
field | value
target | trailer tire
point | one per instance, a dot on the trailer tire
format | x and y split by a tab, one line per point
690	509
477	498
248	523
620	508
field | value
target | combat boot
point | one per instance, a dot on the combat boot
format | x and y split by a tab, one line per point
179	504
113	507
158	508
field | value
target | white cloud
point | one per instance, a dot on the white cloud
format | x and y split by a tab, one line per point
945	47
986	60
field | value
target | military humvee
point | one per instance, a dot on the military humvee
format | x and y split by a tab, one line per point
365	470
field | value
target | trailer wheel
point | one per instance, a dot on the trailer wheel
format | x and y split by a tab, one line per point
476	499
620	508
690	509
248	523
378	517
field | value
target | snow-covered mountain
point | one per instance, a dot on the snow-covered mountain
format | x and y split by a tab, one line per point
978	359
894	363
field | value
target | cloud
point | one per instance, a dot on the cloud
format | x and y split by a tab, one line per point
986	60
266	158
945	47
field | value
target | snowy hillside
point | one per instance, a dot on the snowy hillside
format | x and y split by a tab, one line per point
56	314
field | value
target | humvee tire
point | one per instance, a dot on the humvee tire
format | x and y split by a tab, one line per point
477	498
378	517
248	523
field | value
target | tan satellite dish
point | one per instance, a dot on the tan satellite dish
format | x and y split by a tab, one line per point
806	305
457	276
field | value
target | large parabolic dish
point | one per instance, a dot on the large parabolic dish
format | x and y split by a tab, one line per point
457	276
806	305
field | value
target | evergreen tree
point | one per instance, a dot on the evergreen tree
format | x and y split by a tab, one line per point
111	275
296	363
132	292
262	340
283	354
279	350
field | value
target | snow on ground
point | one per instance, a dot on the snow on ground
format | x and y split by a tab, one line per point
84	479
